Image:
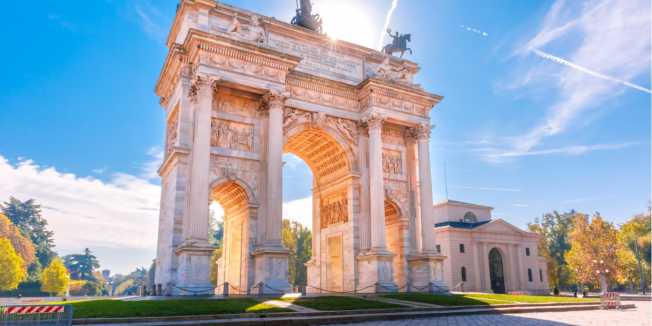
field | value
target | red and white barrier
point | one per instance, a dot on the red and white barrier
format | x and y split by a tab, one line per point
23	310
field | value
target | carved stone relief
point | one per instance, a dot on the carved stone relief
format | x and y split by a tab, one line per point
392	162
172	132
232	135
334	209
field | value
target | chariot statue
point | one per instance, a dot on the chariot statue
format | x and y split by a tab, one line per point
399	43
305	18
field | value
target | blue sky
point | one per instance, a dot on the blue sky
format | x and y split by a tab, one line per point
546	106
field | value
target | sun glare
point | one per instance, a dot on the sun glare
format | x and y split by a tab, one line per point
347	20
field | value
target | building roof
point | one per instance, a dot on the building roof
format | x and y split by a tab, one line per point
460	203
461	225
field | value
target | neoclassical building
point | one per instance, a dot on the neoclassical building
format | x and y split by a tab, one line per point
239	90
485	254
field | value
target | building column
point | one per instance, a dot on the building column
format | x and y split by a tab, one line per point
425	190
477	266
416	245
194	252
519	268
486	268
427	265
271	258
375	265
376	185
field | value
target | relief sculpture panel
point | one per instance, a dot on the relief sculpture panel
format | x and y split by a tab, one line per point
172	132
392	162
334	209
232	135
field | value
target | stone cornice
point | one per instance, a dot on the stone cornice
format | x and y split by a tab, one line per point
324	91
374	92
198	43
176	153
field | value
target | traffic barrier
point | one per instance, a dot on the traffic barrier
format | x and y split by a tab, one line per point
36	315
610	300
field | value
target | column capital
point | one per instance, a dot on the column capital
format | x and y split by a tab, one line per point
374	121
201	84
423	131
274	100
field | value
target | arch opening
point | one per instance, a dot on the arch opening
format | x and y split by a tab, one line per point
496	271
331	201
232	264
396	235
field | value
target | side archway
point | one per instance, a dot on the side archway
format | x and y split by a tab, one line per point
233	267
396	234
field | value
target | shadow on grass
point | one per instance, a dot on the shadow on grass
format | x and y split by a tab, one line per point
159	308
334	303
481	299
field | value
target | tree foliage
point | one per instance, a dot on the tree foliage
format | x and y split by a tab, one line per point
634	236
23	246
12	267
82	266
594	246
55	278
554	230
27	217
298	240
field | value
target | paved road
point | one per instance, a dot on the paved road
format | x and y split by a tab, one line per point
633	317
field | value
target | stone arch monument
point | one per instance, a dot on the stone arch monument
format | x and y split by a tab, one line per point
239	90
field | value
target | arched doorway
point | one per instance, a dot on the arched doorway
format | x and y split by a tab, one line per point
332	198
396	229
496	271
232	266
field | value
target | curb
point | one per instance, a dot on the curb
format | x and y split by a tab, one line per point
348	316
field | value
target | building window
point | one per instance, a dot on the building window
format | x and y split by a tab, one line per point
461	248
540	275
463	274
529	274
527	251
438	247
469	217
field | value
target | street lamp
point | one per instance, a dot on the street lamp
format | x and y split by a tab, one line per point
602	272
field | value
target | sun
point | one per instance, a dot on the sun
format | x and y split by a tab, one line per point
346	20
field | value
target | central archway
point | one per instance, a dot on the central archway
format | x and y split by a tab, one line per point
329	158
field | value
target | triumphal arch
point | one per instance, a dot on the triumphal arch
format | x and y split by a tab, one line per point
240	90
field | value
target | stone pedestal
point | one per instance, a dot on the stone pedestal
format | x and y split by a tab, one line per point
313	278
426	273
193	275
375	273
271	266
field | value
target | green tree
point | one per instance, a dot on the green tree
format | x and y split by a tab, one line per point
554	229
635	237
27	217
12	267
298	240
82	266
55	278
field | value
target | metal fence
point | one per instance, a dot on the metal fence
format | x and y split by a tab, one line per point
36	315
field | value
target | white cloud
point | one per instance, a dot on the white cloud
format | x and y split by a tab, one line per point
116	215
486	188
151	20
299	210
567	150
150	168
607	45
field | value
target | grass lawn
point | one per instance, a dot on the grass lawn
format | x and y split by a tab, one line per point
331	303
480	299
157	308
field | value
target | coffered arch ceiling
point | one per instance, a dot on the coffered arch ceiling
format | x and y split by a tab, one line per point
323	154
231	196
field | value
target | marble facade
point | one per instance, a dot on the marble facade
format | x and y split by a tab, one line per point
240	90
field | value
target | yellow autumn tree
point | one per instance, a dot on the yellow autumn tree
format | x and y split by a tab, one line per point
23	246
12	267
55	278
594	247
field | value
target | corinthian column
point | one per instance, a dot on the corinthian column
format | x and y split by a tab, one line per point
194	252
275	103
376	186
425	190
195	227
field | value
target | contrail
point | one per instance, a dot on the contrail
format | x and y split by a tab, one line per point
562	61
387	19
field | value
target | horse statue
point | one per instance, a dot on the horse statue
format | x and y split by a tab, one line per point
399	43
305	17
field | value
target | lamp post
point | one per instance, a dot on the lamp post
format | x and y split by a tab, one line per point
602	272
